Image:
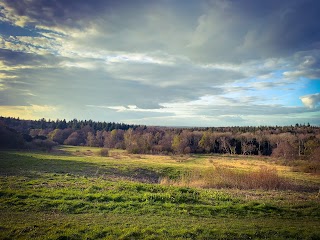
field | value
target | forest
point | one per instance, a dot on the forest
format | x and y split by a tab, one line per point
287	142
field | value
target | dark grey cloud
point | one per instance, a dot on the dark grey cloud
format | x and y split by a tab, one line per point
254	29
216	31
55	13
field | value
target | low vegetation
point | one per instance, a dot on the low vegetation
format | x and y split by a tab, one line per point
104	152
76	193
265	178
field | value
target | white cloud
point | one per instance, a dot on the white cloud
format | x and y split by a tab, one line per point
311	101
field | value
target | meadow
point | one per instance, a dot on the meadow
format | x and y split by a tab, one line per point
75	193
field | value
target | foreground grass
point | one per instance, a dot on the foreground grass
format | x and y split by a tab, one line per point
82	196
128	226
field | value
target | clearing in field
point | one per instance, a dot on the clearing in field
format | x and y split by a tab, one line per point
75	193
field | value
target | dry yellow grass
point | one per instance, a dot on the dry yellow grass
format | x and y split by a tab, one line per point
191	162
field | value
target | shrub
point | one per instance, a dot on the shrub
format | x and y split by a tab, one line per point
104	152
10	138
315	155
43	145
285	150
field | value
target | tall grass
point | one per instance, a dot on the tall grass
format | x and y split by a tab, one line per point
222	177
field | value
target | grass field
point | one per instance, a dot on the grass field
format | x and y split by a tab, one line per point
73	193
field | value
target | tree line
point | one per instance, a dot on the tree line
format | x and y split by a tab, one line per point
289	142
24	126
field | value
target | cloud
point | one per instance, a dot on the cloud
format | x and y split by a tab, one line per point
215	59
207	32
311	101
304	64
46	13
126	82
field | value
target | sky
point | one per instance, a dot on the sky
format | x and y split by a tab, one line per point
162	62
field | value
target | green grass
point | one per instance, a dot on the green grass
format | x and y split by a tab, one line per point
67	194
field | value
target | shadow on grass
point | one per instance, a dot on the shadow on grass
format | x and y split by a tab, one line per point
14	164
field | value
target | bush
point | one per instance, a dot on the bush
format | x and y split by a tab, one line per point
315	155
10	138
43	145
104	152
285	150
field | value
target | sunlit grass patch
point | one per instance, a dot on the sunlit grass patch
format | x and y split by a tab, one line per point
224	177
